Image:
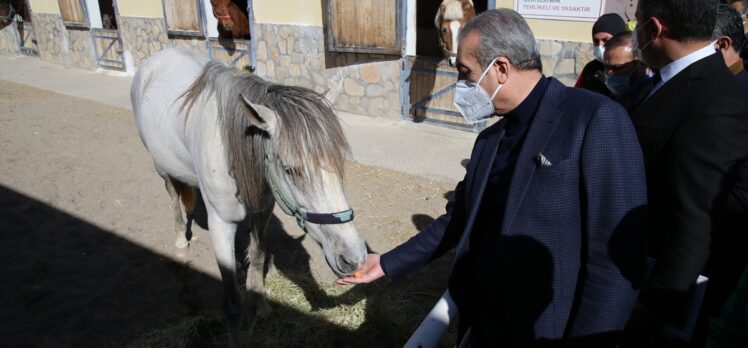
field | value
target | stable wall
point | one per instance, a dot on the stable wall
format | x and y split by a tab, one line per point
9	44
566	46
294	12
291	50
44	6
55	42
140	8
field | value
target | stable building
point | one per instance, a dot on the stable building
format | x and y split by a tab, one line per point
380	58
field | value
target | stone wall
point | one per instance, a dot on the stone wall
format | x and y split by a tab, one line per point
190	43
9	40
52	41
361	83
82	53
564	60
142	37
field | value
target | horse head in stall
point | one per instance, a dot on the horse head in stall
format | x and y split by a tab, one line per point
246	144
451	16
7	12
232	21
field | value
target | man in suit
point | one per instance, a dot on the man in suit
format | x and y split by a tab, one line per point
693	130
547	224
728	33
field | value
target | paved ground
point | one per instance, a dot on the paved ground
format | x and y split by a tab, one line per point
419	149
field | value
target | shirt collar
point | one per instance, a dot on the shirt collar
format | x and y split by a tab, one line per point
669	71
736	68
523	113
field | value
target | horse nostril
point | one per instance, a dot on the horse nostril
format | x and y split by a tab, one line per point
345	265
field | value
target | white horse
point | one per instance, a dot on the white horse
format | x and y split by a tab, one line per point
243	142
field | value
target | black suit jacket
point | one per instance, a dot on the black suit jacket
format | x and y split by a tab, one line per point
694	133
571	248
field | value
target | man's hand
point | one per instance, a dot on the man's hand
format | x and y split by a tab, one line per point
369	272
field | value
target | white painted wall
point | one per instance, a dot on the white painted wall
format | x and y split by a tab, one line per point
94	14
410	31
211	21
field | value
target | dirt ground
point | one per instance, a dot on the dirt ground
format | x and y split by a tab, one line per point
86	241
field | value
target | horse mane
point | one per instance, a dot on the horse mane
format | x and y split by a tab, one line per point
452	11
309	137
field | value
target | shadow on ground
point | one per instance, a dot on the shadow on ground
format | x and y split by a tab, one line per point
69	283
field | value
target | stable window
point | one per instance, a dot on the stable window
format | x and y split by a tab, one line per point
183	17
74	13
106	14
227	19
374	26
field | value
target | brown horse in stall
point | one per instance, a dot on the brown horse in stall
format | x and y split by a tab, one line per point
232	21
7	12
452	15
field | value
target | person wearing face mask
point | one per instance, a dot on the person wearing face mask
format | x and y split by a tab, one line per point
593	75
547	225
692	124
626	76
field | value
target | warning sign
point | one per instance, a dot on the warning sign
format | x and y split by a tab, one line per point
572	10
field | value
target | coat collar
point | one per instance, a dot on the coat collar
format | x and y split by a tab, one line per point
544	123
538	136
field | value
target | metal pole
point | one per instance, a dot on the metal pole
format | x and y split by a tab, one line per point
436	323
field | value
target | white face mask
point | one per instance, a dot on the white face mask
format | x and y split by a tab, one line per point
472	100
598	51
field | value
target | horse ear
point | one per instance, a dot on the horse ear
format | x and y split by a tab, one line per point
261	116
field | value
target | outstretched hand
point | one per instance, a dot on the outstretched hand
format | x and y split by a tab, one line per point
369	272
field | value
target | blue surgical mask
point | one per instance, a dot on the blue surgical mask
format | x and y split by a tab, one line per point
472	100
619	84
598	51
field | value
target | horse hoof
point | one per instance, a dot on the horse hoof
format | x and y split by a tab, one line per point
182	253
182	244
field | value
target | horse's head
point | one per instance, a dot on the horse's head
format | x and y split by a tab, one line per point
222	14
451	16
6	14
304	158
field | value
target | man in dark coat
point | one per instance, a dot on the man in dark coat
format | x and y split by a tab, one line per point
693	129
728	33
547	225
593	74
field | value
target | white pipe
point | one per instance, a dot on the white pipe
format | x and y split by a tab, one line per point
436	323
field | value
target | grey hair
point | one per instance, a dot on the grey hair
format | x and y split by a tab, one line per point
504	32
308	136
730	24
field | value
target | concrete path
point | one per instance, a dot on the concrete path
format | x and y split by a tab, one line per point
419	149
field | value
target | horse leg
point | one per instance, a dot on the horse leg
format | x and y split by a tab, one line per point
222	235
256	257
177	189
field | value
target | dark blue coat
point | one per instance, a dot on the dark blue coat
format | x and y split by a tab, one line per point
572	246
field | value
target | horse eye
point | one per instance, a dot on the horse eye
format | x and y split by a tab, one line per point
444	30
291	171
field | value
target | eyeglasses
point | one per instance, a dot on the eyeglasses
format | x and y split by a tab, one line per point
620	69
